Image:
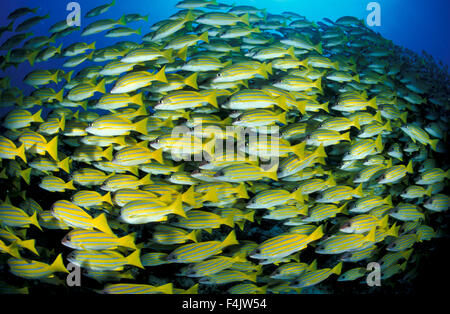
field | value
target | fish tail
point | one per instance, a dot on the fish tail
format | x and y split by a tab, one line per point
157	155
377	117
241	191
343	209
373	103
337	269
407	254
108	153
177	207
161	75
346	136
433	144
230	239
107	198
268	68
393	231
301	106
192	236
128	241
318	84
313	265
245	19
26	174
62	123
59	95
281	102
298	196
58	265
32	57
211	196
101	87
379	143
69	185
404	116
370	237
388	200
212	99
409	167
204	37
52	148
192	81
299	150
189	197
271	173
193	289
34	221
139	31
320	151
37	116
229	221
135	259
429	190
262	71
189	17
316	234
68	76
64	164
21	152
122	20
318	48
137	99
146	180
141	126
282	118
208	147
250	216
356	78
29	245
101	223
356	123
54	77
383	222
358	191
387	126
165	289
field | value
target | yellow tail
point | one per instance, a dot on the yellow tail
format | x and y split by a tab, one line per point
141	126
135	259
58	265
192	81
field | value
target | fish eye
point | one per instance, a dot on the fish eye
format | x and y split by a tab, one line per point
219	74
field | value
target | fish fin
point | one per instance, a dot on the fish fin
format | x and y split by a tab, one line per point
161	75
107	198
146	180
165	289
358	191
52	148
141	126
204	37
379	143
298	196
373	103
271	173
299	150
212	99
291	52
318	85
241	191
387	126
356	123
135	259
262	71
182	53
122	20
320	151
404	116
192	81
193	236
312	266
337	269
64	164
377	117
69	185
192	290
188	197
407	254
356	78
281	102
101	86
318	48
108	153
282	118
25	174
229	221
128	241
383	222
34	221
101	224
37	116
370	237
157	155
346	136
316	234
433	144
409	167
211	196
245	19
301	106
240	224
30	245
58	265
230	239
177	206
209	146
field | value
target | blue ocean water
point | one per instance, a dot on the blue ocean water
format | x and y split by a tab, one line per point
415	24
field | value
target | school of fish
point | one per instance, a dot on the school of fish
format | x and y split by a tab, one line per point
339	138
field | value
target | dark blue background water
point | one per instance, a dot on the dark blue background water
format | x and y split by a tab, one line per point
415	24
